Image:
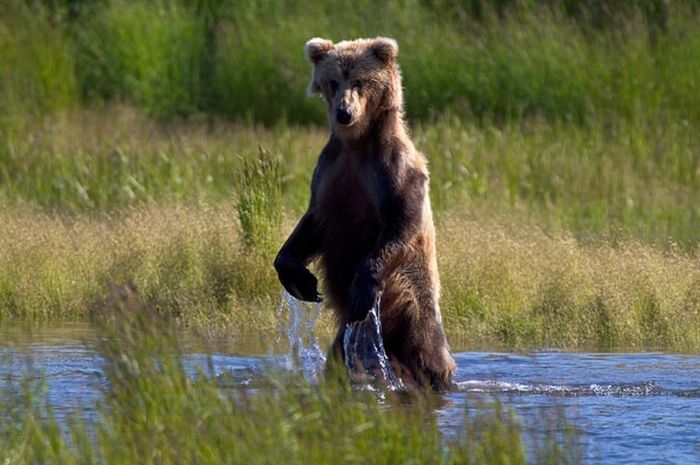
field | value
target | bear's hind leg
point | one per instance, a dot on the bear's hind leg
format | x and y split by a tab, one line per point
420	348
438	367
335	359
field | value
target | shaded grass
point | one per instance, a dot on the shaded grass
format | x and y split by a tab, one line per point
152	411
150	52
36	65
506	283
576	61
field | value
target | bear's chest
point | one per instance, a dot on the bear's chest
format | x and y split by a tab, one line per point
347	195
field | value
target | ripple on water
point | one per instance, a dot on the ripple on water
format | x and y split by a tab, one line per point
629	390
629	407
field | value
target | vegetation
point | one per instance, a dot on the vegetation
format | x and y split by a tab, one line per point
153	155
154	412
167	147
503	283
485	59
629	181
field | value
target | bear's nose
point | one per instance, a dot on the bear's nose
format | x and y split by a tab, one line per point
343	116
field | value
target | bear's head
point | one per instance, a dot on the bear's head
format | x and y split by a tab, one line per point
359	79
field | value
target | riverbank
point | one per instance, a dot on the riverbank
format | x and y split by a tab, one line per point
510	284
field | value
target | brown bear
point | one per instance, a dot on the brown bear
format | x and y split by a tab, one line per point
369	219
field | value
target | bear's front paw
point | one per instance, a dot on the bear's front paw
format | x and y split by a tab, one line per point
307	286
363	294
298	281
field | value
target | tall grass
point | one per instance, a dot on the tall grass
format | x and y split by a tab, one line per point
505	283
569	62
260	202
105	159
623	180
153	412
151	52
189	263
618	181
516	285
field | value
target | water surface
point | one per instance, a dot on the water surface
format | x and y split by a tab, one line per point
628	407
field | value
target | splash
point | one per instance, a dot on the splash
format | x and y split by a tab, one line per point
646	389
304	351
365	356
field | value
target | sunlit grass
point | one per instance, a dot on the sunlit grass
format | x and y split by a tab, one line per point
503	282
516	285
187	262
260	202
547	233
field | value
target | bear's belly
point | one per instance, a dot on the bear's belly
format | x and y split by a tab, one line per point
351	233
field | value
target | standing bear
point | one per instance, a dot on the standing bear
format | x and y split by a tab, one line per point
369	220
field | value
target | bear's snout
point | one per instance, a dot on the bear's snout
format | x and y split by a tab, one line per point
343	116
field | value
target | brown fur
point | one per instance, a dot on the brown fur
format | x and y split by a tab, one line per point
369	219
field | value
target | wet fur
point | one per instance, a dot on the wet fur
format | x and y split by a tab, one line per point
369	220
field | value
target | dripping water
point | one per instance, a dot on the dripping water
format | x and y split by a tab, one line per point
364	353
304	351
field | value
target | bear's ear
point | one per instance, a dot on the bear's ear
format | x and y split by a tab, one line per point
316	49
385	49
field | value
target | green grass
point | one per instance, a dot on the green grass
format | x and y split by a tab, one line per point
260	202
617	180
482	60
150	52
37	73
153	412
161	151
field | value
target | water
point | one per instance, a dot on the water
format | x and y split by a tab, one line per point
628	407
363	347
365	357
298	327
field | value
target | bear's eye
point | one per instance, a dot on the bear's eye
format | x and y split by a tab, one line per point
334	85
357	84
